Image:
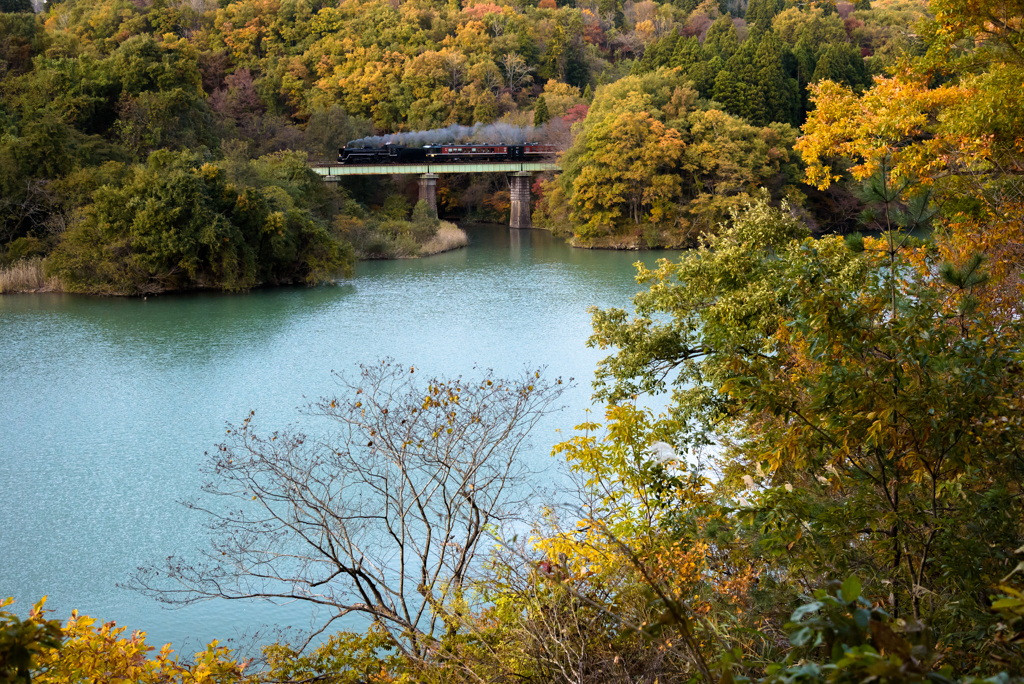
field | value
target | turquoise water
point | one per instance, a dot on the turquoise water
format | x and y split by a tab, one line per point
107	405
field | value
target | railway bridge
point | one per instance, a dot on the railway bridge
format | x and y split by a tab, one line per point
520	174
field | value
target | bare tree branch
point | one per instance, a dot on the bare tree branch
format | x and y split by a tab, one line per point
383	517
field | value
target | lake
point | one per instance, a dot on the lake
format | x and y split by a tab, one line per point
107	405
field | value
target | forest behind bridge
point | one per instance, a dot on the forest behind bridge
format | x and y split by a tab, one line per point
251	91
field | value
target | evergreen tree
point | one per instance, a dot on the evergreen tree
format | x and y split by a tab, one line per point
541	114
741	65
842	64
646	63
761	12
772	83
658	54
703	75
12	6
732	94
721	40
576	71
666	48
686	53
588	94
831	65
806	60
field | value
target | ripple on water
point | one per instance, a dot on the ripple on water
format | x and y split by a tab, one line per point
107	405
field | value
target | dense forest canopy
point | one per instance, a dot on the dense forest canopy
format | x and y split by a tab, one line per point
91	89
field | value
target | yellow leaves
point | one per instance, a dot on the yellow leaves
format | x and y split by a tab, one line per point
898	119
105	653
646	29
964	139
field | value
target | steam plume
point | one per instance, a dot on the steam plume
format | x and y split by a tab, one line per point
477	133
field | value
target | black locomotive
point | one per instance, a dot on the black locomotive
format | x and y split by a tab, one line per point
448	152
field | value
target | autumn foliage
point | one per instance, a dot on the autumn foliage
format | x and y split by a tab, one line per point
832	486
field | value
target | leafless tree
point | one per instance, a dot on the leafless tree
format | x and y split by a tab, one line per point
629	43
501	23
192	13
491	78
517	71
383	517
455	67
27	211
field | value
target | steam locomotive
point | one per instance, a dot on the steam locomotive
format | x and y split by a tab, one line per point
449	152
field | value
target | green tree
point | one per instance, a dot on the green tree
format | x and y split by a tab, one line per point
22	37
776	91
795	24
859	436
703	74
23	642
735	96
721	40
179	224
722	157
330	129
540	112
657	54
760	14
687	53
805	55
843	64
13	6
486	108
747	101
424	218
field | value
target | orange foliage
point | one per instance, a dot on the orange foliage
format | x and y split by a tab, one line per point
964	141
477	12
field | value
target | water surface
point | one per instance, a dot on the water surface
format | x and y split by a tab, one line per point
107	405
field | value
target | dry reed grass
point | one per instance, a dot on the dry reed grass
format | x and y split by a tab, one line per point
448	237
26	276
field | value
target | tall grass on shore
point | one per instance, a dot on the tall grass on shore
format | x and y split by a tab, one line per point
25	276
448	237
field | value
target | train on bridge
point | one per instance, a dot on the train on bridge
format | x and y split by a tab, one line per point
446	153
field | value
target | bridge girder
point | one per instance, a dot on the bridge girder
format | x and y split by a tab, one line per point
332	171
521	173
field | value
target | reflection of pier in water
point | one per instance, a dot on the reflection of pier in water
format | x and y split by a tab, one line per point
519	175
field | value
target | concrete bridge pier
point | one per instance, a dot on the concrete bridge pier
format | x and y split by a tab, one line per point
520	184
428	190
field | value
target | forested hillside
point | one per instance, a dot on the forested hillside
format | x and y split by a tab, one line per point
90	90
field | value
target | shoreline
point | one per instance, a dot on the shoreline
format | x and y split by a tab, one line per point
27	275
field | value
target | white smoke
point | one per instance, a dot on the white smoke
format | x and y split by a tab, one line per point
478	133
